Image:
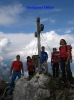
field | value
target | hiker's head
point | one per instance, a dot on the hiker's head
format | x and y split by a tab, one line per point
63	42
18	57
54	49
43	48
28	58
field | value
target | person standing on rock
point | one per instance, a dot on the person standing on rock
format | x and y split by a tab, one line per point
16	67
44	58
30	66
64	52
65	61
55	63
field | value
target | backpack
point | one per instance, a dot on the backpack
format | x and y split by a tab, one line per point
67	51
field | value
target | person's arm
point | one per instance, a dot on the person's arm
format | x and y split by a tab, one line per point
57	54
68	57
46	57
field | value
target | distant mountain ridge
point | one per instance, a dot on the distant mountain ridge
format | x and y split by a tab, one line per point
5	71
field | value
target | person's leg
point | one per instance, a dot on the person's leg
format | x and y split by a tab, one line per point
32	73
69	73
41	67
57	69
34	69
29	73
46	67
19	74
53	69
12	81
62	62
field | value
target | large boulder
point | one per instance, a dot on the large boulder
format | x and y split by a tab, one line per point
32	89
42	87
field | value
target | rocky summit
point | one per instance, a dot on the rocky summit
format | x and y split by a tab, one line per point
42	87
32	88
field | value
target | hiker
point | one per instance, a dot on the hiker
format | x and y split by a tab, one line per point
44	58
16	67
30	66
65	61
33	59
55	63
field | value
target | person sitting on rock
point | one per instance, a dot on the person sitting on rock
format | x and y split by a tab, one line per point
30	66
55	63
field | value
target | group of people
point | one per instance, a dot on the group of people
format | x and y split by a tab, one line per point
17	67
61	57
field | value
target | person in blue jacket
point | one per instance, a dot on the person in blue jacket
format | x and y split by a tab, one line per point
44	58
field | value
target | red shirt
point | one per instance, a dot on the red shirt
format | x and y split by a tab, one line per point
63	51
54	58
17	65
30	65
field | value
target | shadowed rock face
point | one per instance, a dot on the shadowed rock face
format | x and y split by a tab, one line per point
42	87
3	86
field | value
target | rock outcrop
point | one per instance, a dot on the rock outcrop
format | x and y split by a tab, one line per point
42	87
3	87
32	89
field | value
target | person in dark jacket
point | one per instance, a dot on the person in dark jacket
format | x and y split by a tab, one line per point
55	62
30	66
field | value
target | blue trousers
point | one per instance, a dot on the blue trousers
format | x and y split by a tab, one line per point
14	75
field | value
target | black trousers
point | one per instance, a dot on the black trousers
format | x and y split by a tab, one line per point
66	68
31	73
55	69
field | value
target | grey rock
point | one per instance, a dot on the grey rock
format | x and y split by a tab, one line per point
34	89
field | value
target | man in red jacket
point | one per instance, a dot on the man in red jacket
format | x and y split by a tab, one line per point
16	67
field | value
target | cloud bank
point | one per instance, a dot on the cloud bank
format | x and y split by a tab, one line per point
26	44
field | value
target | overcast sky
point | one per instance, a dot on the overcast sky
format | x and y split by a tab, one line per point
18	25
